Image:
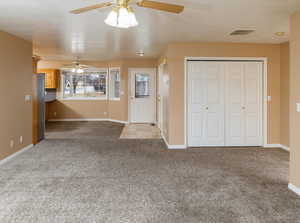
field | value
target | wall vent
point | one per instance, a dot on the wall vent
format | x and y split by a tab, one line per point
241	32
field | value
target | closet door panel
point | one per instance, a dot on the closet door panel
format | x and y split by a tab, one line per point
205	104
234	104
196	103
214	128
253	104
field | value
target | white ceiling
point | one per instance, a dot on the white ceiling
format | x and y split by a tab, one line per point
57	34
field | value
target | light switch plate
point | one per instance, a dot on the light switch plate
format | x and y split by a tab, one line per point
269	98
298	107
27	97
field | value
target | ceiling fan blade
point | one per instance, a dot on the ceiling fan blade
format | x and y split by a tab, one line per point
92	7
161	6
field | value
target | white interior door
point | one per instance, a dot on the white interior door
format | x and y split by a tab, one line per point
235	134
142	95
253	103
206	104
244	104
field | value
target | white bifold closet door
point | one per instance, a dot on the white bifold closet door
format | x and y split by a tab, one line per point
206	104
243	103
224	103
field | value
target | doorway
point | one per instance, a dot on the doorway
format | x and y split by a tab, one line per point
142	95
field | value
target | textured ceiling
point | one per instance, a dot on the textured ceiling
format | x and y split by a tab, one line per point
57	34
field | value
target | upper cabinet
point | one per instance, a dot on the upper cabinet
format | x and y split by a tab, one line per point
51	77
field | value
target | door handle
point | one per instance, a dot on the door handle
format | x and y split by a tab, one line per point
206	108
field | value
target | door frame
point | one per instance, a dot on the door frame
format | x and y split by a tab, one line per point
159	91
129	90
264	60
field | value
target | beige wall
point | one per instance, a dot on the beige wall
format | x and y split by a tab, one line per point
284	94
295	98
176	52
99	109
15	82
174	72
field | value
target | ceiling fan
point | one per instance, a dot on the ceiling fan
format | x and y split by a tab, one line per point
122	14
76	66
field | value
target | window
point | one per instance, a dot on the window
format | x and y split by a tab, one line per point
114	84
142	85
87	85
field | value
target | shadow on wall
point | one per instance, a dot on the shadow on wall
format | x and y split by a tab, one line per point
61	110
78	109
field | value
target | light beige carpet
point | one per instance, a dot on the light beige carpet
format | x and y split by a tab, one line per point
83	172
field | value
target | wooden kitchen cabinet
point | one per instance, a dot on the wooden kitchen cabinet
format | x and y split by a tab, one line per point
51	77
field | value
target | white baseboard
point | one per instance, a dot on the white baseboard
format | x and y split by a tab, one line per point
285	148
172	146
117	121
272	146
294	189
76	120
176	147
87	120
277	146
5	160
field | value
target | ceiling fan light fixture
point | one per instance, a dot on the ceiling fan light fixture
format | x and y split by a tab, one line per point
80	71
122	17
112	18
132	17
77	70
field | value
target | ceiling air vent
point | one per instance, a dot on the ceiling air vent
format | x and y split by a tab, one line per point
241	32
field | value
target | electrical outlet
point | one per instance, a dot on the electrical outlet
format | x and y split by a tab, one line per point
105	113
12	143
21	139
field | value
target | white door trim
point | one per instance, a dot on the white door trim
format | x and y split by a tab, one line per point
129	89
265	89
160	90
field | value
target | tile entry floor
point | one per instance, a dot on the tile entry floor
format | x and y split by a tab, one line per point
140	131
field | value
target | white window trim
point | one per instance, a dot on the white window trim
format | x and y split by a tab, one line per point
83	99
62	98
109	80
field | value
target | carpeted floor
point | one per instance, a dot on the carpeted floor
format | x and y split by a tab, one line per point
84	173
